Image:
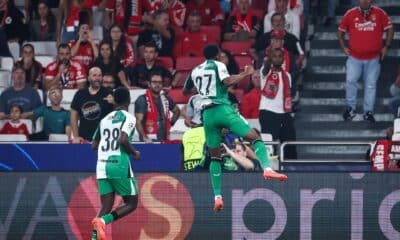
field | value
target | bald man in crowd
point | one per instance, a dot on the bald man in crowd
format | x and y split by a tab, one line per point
89	106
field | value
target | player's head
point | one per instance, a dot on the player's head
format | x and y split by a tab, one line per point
211	51
122	96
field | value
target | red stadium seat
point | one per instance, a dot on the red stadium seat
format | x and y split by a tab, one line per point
184	66
214	32
188	63
167	62
177	96
237	47
243	61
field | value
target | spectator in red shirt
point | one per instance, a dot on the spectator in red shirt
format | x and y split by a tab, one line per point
209	10
249	106
65	72
365	26
192	41
84	50
122	46
243	24
33	68
14	125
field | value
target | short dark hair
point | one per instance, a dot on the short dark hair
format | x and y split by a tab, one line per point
122	96
277	14
158	13
151	44
21	110
155	73
63	45
210	51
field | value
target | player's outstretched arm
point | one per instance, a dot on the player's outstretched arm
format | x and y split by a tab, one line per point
234	79
124	141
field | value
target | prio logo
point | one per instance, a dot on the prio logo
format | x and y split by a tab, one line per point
165	210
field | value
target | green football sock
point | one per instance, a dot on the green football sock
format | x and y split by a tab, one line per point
261	152
216	175
108	218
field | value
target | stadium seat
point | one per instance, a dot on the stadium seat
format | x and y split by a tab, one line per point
39	125
5	78
45	60
135	93
58	137
177	96
242	61
15	50
237	48
40	92
45	48
6	63
167	62
13	138
68	95
254	123
396	130
19	3
213	31
184	66
97	33
28	123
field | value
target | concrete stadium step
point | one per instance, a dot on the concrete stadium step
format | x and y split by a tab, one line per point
332	36
339	54
340	85
337	117
341	124
334	101
391	9
334	44
340	94
335	150
341	69
309	156
344	134
311	109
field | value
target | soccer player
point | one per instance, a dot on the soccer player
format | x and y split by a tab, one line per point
211	80
114	173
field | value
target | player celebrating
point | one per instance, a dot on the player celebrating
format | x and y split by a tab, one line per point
112	139
211	79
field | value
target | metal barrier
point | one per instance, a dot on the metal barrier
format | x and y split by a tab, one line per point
284	144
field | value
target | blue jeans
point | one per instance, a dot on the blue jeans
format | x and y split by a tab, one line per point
370	70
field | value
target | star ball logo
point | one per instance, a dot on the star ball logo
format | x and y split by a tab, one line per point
165	210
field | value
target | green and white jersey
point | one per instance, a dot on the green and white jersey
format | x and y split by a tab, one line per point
113	160
208	79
